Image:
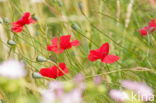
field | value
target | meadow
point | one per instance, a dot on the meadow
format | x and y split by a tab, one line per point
30	38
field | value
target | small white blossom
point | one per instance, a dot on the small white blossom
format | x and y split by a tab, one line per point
97	80
79	78
48	96
12	69
54	85
142	89
56	94
75	96
119	95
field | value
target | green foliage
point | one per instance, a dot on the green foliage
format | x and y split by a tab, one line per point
93	22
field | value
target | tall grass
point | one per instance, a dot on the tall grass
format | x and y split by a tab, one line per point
97	22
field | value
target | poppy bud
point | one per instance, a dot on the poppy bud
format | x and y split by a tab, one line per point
6	20
11	42
1	101
80	5
41	59
36	75
75	27
34	17
60	3
1	20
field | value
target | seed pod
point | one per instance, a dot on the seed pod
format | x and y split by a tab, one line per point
11	42
1	101
80	5
75	27
1	20
36	75
34	17
60	3
6	20
41	59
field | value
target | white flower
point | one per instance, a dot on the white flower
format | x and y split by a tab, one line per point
97	80
54	85
48	96
55	93
143	90
75	96
79	78
119	95
12	69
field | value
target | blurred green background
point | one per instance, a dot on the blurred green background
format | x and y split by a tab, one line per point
93	22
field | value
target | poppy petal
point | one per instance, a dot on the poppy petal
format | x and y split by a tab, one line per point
55	46
104	49
55	41
94	55
75	43
61	44
51	48
110	59
17	29
65	41
64	69
49	72
143	32
54	71
55	49
152	23
25	19
65	38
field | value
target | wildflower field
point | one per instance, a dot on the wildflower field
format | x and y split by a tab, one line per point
77	51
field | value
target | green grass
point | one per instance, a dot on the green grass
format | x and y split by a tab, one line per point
99	21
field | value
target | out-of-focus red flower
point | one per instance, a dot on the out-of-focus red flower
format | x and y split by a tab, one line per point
25	19
152	23
61	44
54	71
148	29
103	54
144	31
153	3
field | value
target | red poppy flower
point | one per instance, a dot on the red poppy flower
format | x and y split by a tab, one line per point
148	29
18	25
61	44
144	31
54	71
103	54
